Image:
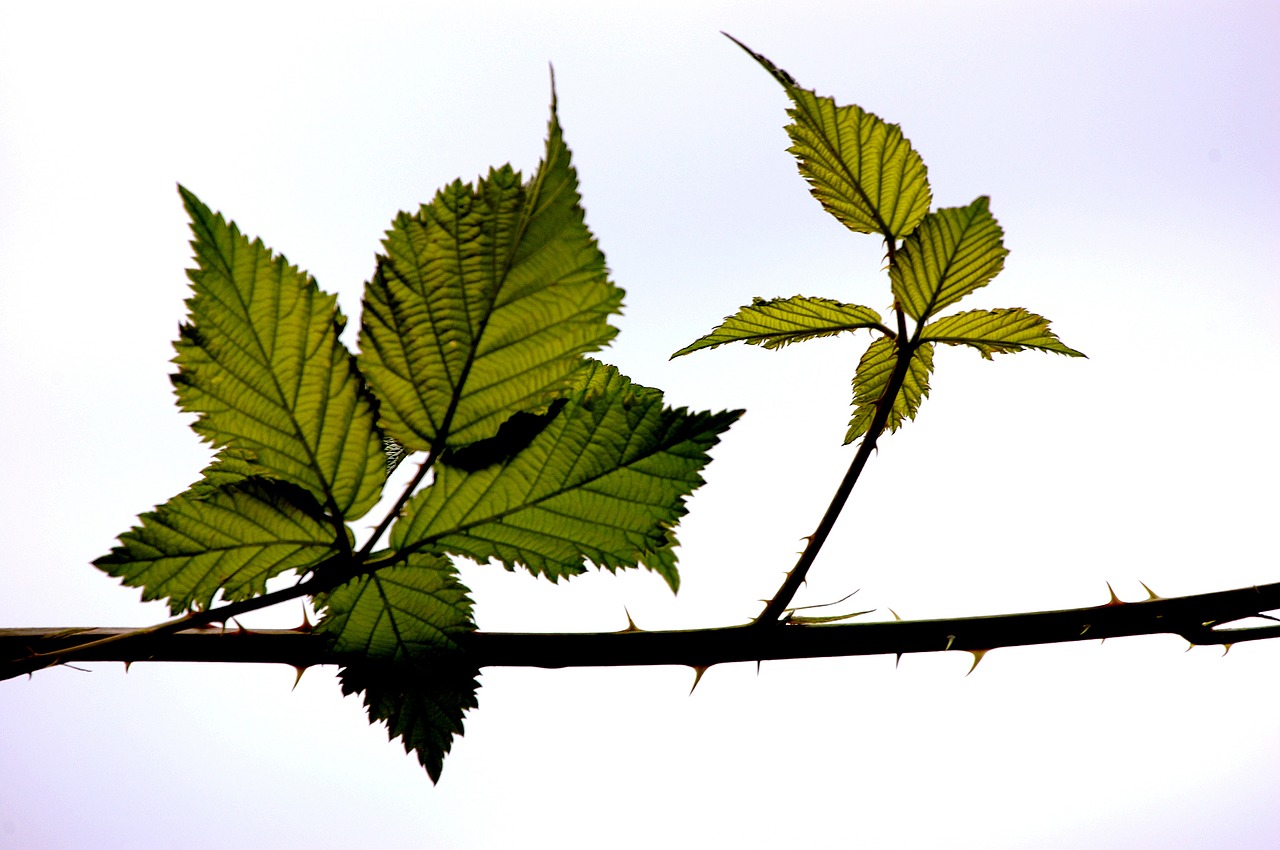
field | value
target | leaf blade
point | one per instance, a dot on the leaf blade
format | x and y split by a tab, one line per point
230	538
261	365
997	331
605	481
871	381
484	303
953	252
778	322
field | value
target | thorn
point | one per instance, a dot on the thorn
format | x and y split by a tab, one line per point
950	640
240	630
1226	647
1086	628
631	624
306	624
759	664
897	660
1115	600
698	670
127	665
298	678
895	615
978	655
1151	594
1190	646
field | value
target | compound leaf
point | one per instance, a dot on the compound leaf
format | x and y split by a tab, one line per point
860	168
953	252
871	381
261	365
782	321
604	481
484	303
997	331
231	538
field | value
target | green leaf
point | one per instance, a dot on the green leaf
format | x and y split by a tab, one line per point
484	304
394	631
860	168
997	331
871	381
398	613
605	481
233	537
261	365
782	321
952	253
422	703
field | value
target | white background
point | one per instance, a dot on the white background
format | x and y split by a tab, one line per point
1129	150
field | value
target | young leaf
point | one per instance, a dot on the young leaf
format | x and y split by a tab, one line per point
230	538
398	613
782	321
484	304
997	331
860	168
261	365
604	481
422	703
953	252
872	380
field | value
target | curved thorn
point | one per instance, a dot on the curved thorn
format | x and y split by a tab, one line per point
1151	594
978	655
698	670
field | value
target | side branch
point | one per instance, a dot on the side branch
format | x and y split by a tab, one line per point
1195	618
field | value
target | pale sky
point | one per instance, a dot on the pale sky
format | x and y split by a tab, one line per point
1129	152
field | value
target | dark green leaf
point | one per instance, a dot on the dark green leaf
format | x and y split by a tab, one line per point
605	481
230	538
261	365
484	304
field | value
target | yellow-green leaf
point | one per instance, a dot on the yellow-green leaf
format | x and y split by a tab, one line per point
953	252
871	381
860	168
997	331
782	321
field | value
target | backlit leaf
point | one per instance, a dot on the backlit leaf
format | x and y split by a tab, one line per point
860	168
953	252
997	331
484	303
230	538
605	481
782	321
871	381
261	365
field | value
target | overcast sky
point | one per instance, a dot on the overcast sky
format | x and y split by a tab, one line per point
1129	150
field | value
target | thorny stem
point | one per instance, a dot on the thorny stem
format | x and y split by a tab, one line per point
776	607
1196	618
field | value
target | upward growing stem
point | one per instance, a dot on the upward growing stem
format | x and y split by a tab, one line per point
776	607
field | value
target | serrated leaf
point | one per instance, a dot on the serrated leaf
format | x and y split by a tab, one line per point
953	252
230	538
605	481
871	381
860	168
261	365
781	321
398	613
484	304
421	703
997	331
